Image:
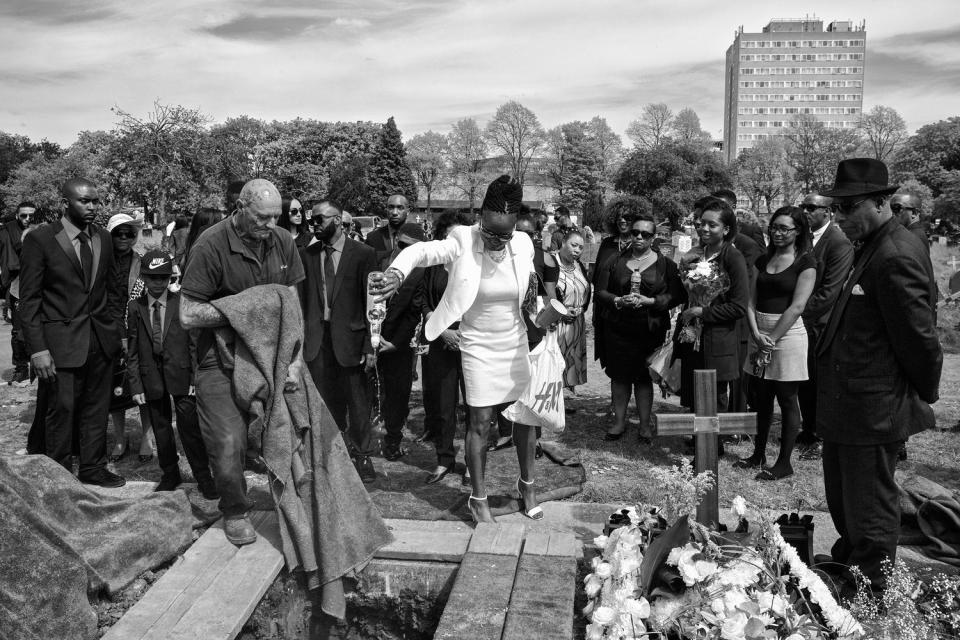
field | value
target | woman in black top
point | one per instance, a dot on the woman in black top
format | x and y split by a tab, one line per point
292	219
635	292
777	354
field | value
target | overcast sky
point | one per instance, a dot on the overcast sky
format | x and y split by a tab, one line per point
64	63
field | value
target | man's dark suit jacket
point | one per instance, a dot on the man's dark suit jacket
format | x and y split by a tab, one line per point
149	375
58	314
834	255
918	229
402	314
754	232
348	318
379	239
749	248
879	359
10	249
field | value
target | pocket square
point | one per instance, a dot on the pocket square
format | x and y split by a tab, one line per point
857	290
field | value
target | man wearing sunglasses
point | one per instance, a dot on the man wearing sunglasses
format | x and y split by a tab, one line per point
878	369
907	208
11	250
834	255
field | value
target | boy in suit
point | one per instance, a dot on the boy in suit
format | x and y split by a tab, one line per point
161	357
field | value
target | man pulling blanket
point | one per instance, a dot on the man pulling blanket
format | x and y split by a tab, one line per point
328	524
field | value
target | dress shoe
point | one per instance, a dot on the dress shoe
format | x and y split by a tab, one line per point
393	452
104	478
168	482
501	443
365	469
120	450
811	452
613	437
239	530
753	462
438	474
208	489
772	473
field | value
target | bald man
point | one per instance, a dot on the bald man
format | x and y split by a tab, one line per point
239	252
384	239
70	334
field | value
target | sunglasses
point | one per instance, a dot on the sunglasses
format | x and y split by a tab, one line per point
129	235
780	229
846	207
506	237
646	235
294	211
25	216
810	208
897	208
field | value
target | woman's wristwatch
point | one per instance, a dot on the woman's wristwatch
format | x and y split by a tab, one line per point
617	302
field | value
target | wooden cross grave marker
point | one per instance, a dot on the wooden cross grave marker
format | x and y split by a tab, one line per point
706	427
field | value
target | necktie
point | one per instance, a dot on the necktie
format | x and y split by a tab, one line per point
86	260
157	329
328	275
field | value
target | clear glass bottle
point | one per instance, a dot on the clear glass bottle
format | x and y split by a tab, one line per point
376	311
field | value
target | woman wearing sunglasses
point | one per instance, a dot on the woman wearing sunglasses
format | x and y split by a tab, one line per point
292	219
635	292
489	270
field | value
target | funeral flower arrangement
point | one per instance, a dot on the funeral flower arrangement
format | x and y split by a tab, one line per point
685	582
704	281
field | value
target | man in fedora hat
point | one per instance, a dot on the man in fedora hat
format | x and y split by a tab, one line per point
878	368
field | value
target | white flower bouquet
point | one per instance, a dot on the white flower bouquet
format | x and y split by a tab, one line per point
704	282
684	582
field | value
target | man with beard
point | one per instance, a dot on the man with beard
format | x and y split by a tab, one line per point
69	332
242	251
384	239
11	250
337	346
878	369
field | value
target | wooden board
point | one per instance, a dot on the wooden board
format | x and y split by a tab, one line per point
213	579
427	541
541	604
477	606
498	539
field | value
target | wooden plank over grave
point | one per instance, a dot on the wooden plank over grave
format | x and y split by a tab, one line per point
477	606
542	602
706	426
427	541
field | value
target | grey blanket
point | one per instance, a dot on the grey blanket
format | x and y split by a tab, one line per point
60	541
329	526
930	518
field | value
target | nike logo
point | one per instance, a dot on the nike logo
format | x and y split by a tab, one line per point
156	263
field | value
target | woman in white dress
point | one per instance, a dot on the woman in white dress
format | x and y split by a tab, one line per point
490	268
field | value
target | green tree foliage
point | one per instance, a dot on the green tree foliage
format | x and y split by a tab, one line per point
672	176
814	150
686	128
15	150
466	151
516	132
426	155
165	160
348	184
931	155
389	173
883	132
239	145
764	175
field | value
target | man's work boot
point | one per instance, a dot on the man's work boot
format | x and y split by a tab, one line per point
239	531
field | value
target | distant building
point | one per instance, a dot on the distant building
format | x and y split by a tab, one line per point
792	67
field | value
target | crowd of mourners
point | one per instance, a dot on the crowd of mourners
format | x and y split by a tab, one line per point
830	310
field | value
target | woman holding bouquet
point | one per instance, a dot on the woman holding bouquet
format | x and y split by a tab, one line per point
635	292
777	352
489	270
706	335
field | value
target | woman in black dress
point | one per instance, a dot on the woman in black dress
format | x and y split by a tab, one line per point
719	340
635	292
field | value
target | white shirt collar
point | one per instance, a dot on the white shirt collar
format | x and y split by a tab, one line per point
819	233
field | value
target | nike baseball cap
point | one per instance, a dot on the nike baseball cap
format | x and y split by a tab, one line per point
156	263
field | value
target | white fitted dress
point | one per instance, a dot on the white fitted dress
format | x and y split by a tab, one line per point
493	346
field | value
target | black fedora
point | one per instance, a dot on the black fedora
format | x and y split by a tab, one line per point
860	177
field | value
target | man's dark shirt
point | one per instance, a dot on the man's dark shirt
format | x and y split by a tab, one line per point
221	264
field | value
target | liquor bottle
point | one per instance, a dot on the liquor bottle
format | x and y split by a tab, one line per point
376	311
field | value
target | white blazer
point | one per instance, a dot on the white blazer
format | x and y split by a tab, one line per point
462	252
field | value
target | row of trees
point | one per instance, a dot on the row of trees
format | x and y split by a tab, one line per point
173	160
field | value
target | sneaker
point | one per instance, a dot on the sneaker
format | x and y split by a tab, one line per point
105	478
239	531
393	452
365	469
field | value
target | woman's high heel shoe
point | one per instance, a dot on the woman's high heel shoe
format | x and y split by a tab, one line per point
478	515
534	514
